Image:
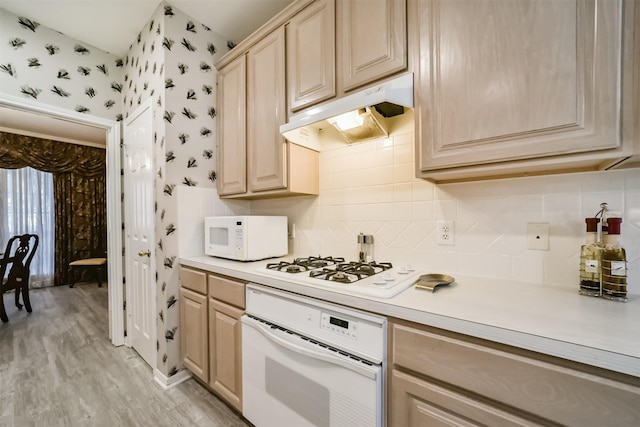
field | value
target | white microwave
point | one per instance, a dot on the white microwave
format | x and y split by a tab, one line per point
245	238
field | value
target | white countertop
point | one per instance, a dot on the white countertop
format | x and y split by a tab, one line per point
547	319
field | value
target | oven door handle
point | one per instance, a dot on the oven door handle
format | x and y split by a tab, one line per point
284	340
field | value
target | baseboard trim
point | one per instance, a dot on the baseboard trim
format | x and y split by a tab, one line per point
172	381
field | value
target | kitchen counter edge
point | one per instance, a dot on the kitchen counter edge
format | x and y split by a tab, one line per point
625	360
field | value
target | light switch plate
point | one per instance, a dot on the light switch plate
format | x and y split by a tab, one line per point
538	236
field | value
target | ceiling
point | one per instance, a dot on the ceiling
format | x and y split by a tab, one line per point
112	25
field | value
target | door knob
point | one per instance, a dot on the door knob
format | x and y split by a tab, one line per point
144	253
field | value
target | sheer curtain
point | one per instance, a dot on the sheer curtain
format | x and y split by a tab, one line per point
27	206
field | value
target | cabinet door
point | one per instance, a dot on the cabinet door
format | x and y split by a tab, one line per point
373	40
503	80
311	55
193	333
225	340
415	402
232	141
266	112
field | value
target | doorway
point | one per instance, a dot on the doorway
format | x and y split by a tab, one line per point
114	221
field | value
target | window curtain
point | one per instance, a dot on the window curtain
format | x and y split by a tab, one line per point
79	188
82	230
26	206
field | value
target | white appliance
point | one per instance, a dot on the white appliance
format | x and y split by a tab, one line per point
376	279
310	363
245	238
377	103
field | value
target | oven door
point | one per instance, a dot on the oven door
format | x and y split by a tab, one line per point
288	380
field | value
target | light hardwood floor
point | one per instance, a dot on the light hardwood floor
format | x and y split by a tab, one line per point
58	368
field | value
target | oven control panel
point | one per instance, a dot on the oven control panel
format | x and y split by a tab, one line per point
339	325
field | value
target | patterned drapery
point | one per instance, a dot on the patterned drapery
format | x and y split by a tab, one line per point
79	189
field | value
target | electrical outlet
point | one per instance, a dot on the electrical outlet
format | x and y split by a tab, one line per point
444	230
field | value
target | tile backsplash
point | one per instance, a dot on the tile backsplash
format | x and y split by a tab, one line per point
370	187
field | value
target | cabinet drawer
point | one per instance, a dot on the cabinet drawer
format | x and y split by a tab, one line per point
420	403
226	290
194	280
518	378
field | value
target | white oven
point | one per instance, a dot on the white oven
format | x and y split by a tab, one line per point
310	363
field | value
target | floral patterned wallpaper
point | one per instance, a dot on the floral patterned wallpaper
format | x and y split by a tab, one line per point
46	66
172	61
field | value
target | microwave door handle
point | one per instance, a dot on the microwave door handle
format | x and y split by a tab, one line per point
286	342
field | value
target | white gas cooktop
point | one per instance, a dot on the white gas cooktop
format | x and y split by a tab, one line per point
380	280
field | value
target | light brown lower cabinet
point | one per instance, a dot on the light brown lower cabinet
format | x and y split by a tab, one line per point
438	378
193	322
210	331
193	340
225	351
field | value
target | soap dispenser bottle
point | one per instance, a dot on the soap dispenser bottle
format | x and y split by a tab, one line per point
590	260
614	262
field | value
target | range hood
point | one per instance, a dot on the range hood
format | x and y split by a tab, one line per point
357	117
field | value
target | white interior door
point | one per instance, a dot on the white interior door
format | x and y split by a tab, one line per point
139	231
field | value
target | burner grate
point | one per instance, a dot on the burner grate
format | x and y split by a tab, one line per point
350	272
286	267
301	265
318	262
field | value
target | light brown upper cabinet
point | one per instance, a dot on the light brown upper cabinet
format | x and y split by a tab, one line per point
372	40
523	87
311	55
254	159
265	113
232	136
251	151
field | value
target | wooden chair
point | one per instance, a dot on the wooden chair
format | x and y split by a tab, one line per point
17	261
98	264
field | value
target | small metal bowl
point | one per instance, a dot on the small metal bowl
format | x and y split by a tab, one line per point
429	282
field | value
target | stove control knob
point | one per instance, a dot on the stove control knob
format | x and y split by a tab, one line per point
406	269
379	280
388	278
